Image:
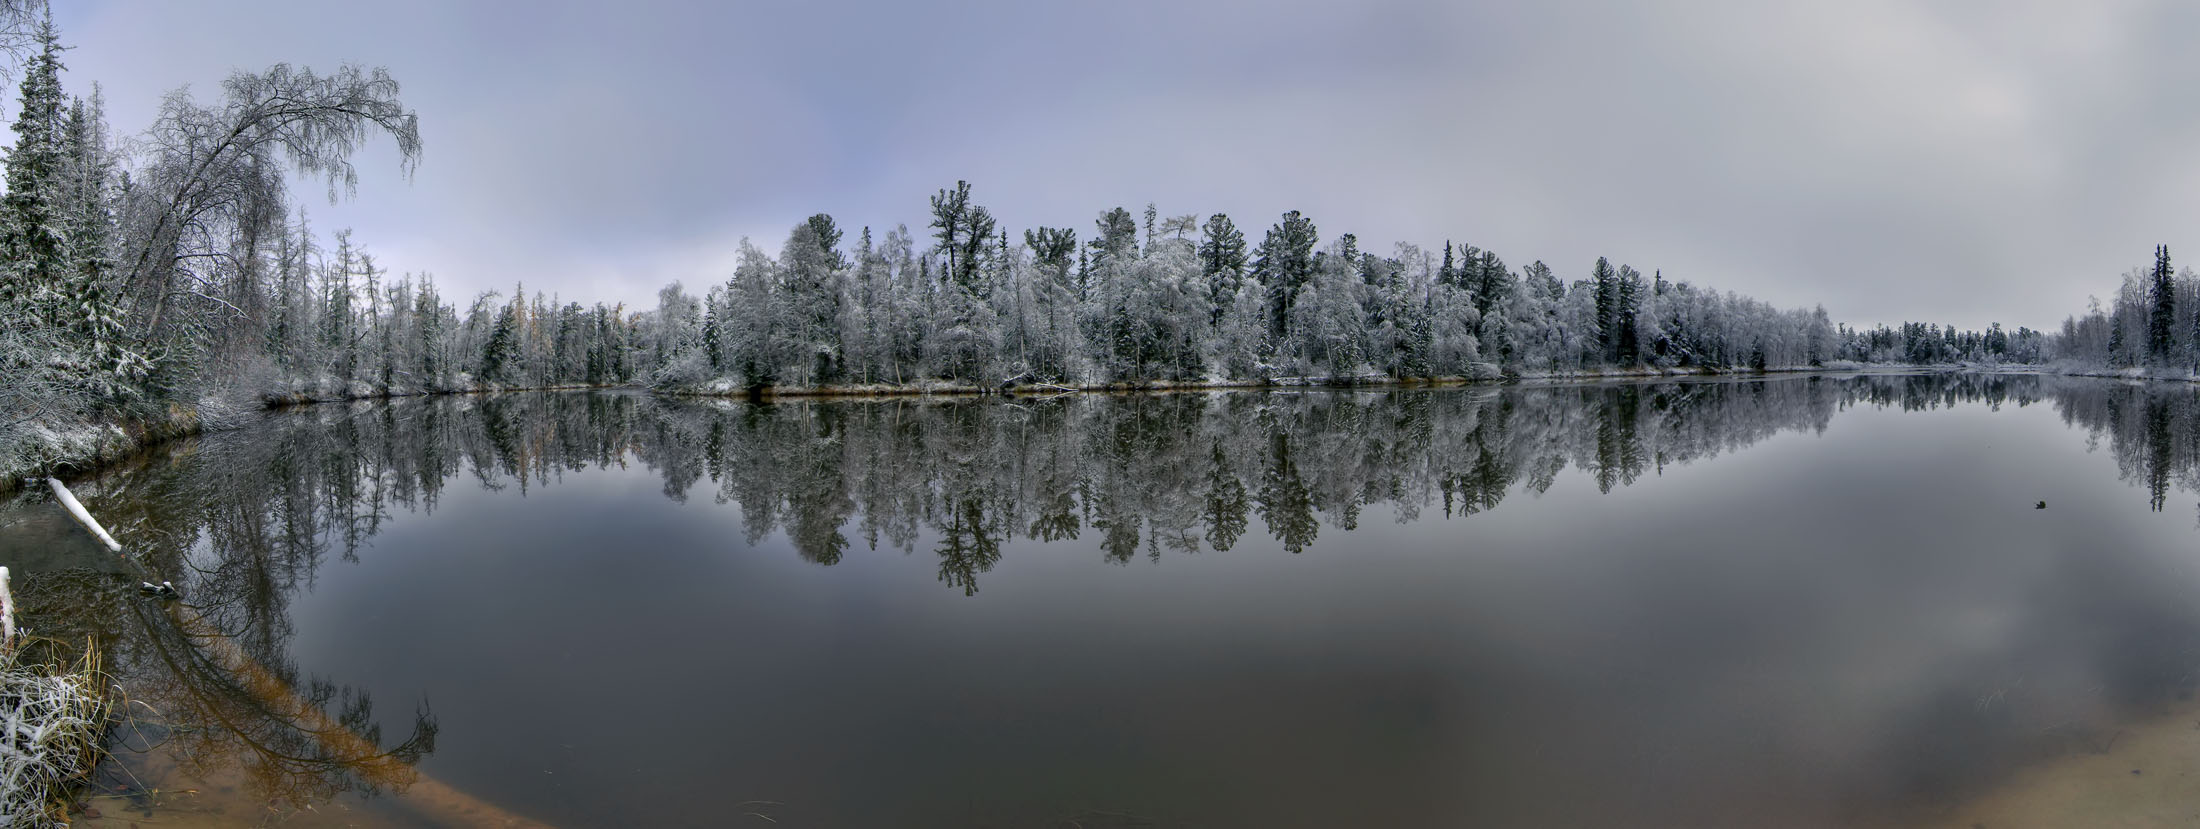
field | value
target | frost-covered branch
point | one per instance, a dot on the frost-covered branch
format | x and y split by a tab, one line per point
210	168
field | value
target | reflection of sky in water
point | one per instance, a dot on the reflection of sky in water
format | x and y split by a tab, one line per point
1821	628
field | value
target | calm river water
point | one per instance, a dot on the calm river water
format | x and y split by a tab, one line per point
1800	601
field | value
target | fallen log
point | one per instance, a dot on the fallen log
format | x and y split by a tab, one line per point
76	510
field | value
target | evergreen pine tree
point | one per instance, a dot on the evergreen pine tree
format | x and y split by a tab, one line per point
1117	240
336	313
500	357
1629	302
1051	247
428	311
950	210
2162	320
1222	262
828	239
713	348
31	224
91	308
1282	264
1607	322
2194	339
963	230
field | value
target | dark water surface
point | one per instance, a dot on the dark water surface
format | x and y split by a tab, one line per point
1803	601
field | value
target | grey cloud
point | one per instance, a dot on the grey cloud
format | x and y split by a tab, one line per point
1958	163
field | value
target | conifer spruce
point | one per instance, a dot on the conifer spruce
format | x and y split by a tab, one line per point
31	238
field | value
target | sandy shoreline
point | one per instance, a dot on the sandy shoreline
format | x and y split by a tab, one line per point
2148	776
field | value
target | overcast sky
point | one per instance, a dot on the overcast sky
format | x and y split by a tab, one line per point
1953	162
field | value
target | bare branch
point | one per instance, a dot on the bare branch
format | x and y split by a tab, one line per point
217	168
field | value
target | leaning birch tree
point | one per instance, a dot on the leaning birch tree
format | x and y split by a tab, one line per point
213	174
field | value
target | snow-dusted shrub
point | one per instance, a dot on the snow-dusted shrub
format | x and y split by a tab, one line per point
685	370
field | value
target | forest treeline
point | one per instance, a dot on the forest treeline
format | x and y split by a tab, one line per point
172	274
1181	299
2151	325
152	280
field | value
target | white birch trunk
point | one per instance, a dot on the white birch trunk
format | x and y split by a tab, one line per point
68	500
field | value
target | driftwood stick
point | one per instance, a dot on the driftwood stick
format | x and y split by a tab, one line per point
76	510
7	612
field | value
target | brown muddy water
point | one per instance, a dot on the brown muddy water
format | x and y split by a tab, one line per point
1808	601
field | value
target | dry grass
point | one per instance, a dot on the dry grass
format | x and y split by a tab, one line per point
53	722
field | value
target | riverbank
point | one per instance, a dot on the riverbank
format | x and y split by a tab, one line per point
304	398
75	448
1486	374
78	447
2141	775
72	449
2129	373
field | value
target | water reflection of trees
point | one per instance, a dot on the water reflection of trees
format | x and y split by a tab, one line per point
1181	473
242	522
245	520
252	516
2153	430
294	742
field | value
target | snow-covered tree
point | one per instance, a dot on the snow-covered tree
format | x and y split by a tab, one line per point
210	172
1222	260
1282	265
33	224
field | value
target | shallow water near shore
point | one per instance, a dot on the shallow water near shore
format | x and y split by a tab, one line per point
1798	601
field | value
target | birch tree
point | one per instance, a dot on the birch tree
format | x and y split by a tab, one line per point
211	169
